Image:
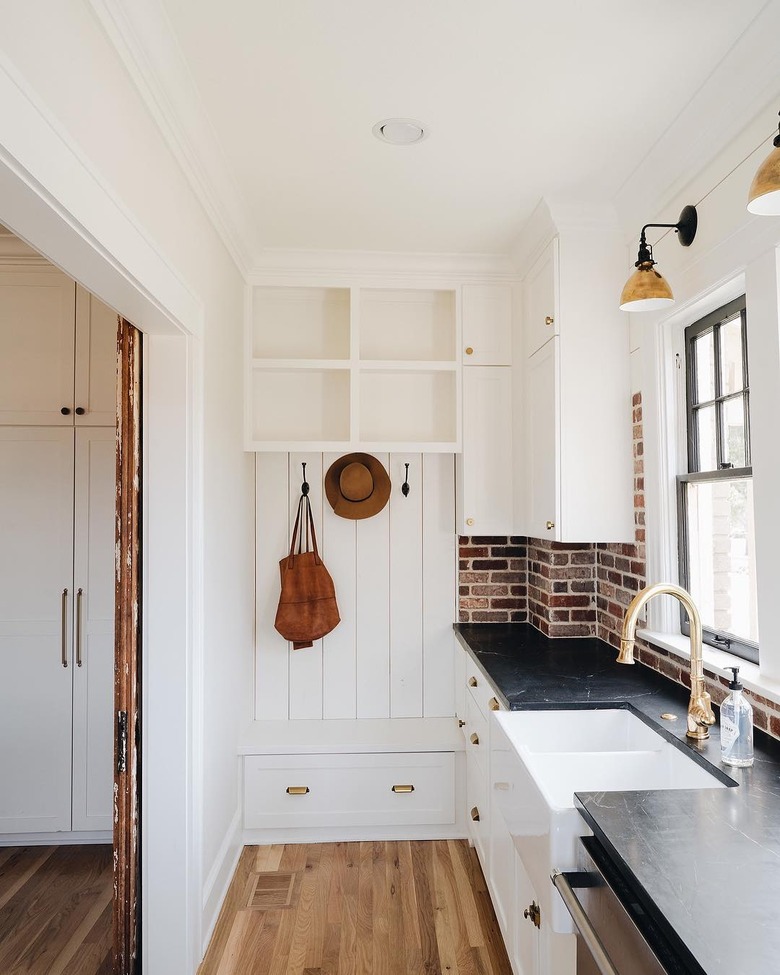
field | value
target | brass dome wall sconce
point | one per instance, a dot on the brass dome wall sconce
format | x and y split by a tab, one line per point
764	195
647	289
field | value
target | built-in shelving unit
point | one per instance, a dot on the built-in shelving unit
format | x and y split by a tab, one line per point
332	368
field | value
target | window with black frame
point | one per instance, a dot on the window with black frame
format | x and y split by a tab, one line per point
717	551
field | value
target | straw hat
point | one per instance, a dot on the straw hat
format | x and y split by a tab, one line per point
357	486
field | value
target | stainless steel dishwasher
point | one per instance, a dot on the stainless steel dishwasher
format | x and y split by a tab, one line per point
615	936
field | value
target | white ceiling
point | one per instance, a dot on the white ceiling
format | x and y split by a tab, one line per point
556	98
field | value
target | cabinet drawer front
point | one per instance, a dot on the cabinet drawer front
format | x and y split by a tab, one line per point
349	790
481	690
477	730
477	806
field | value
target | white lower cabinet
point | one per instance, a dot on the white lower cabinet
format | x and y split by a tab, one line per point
525	951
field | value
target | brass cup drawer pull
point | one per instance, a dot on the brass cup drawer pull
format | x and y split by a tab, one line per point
475	814
474	739
297	790
472	681
403	788
494	705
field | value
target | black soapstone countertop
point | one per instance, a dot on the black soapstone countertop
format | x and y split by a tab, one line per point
705	864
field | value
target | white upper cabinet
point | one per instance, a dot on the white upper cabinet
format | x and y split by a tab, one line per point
540	318
333	368
95	372
36	346
487	325
57	351
575	443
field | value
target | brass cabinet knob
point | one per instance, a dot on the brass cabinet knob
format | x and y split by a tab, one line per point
469	522
475	814
403	788
474	739
549	320
472	681
461	722
494	705
550	525
469	350
297	790
533	913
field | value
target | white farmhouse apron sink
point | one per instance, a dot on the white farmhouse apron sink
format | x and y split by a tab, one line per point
539	759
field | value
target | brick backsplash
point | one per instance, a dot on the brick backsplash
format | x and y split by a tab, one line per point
492	580
578	590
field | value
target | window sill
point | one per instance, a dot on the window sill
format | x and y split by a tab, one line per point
718	662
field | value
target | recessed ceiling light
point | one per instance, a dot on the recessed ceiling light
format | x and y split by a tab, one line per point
400	131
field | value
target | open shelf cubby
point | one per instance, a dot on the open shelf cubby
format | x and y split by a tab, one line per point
417	325
300	405
300	323
408	406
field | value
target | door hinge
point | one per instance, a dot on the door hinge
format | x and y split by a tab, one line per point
121	741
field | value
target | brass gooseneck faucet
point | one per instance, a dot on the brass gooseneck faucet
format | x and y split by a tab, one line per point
700	715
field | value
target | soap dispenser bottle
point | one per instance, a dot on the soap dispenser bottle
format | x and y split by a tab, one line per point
736	726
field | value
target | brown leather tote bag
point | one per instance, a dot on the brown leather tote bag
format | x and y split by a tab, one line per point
307	604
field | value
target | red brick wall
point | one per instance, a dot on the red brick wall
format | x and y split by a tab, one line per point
562	588
492	580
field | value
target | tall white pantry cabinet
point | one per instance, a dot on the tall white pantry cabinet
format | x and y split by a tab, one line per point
57	496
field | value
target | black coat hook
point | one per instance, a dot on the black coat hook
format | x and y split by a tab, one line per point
405	485
304	486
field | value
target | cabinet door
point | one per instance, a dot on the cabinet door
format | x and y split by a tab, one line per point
526	948
542	412
36	347
540	288
95	372
487	325
501	874
93	672
36	603
486	503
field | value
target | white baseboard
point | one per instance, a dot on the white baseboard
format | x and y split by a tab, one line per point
216	886
354	834
57	839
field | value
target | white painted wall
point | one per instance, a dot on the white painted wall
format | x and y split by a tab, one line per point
395	580
734	253
87	178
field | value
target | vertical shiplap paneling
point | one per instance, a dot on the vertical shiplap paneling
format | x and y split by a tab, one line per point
306	664
439	584
339	661
373	611
406	609
272	539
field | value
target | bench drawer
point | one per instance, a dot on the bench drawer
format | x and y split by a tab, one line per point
349	789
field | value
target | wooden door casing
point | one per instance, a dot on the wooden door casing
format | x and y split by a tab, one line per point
127	652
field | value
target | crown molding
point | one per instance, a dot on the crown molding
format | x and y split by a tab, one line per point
744	80
325	264
143	38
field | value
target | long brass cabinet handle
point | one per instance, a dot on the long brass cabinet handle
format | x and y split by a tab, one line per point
472	681
474	739
297	790
64	616
79	596
403	788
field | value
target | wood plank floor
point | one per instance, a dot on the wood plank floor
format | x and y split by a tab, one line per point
55	910
357	909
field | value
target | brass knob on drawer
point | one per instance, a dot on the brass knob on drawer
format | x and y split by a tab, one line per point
297	790
533	914
461	723
549	320
494	705
469	350
472	681
475	814
474	739
550	525
403	788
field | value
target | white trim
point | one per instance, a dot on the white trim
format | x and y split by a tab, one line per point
220	876
717	662
355	834
143	38
81	838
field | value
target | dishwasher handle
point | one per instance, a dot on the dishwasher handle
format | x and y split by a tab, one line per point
583	925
